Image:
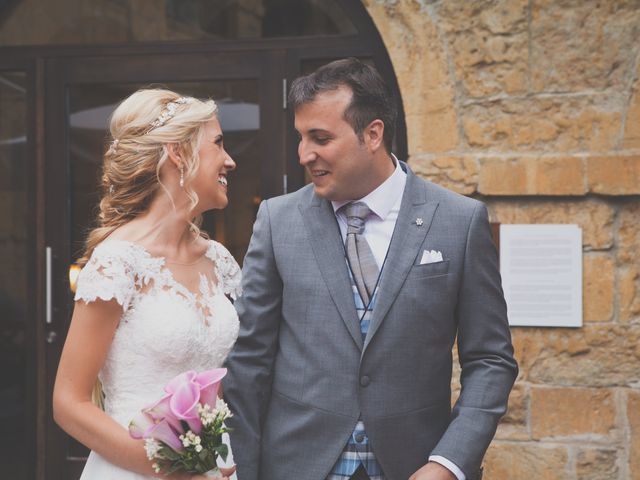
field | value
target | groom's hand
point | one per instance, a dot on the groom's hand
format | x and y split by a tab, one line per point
433	471
224	472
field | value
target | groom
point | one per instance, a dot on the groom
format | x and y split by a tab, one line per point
355	289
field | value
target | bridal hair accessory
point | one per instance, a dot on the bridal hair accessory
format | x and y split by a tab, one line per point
113	146
169	112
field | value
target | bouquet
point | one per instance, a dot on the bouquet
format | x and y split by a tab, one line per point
183	430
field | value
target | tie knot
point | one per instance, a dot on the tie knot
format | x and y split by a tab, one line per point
356	214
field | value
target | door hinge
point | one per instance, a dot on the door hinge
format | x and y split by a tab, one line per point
284	183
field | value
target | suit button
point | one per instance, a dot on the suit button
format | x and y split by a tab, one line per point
365	381
360	437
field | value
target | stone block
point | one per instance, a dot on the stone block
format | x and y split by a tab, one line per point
565	412
527	461
532	176
503	176
614	175
596	355
597	464
598	287
632	124
629	234
420	63
459	174
593	216
544	124
628	256
559	176
514	425
633	418
582	45
629	293
488	41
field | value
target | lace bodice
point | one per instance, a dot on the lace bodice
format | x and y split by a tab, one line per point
165	328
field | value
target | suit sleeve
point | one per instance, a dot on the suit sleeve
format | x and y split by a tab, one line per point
247	387
485	352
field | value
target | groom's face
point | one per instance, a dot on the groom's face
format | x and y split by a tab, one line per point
338	162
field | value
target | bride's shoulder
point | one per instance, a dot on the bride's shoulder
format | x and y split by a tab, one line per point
119	251
227	269
216	249
112	272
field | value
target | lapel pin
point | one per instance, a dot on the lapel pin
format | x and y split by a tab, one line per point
419	221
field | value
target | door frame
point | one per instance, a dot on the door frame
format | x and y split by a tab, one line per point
62	73
41	61
35	418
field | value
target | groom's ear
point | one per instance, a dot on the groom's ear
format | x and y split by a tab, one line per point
173	154
374	135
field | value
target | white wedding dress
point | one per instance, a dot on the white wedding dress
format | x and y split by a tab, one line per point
165	328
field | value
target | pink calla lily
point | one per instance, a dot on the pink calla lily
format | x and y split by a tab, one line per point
209	383
161	410
184	405
163	432
178	380
139	425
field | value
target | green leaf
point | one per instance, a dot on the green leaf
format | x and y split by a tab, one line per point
170	454
223	451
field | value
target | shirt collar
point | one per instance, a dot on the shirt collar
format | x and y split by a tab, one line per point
382	200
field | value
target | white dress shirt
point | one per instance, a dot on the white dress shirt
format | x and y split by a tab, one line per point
385	202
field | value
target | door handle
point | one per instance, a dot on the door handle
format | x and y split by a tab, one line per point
48	285
51	335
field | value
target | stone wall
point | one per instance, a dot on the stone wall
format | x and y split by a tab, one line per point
533	106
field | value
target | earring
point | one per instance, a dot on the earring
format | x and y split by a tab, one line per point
181	176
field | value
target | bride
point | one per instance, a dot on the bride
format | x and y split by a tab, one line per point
151	299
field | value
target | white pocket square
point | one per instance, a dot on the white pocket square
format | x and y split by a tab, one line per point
431	256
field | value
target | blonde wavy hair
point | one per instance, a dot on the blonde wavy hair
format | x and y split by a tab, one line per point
141	127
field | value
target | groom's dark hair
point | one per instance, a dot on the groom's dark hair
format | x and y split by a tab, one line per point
372	98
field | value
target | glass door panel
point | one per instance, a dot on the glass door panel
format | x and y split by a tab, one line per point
90	107
16	414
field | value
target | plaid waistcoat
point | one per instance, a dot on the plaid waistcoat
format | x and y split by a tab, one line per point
357	451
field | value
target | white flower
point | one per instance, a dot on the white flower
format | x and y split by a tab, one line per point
207	416
189	439
198	448
223	409
152	447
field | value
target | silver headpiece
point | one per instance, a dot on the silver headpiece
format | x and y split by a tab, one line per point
168	112
113	147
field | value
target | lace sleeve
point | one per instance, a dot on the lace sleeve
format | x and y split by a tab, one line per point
228	272
107	275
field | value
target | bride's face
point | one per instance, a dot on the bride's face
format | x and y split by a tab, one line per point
210	181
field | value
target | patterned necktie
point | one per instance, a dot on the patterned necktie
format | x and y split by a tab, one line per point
361	259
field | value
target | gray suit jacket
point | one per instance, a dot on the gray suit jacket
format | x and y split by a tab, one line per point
300	374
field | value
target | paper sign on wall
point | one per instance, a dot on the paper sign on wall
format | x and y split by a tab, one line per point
541	268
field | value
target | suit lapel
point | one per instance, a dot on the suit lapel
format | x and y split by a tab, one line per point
326	243
407	238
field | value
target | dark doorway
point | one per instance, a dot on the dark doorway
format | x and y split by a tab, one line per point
59	83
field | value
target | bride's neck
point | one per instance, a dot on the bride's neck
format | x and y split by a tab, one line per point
165	225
